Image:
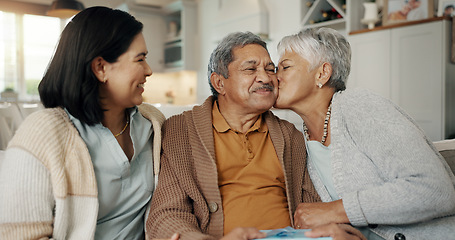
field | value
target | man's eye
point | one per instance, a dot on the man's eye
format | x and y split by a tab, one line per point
250	69
286	67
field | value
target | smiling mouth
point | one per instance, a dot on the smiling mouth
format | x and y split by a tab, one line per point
141	85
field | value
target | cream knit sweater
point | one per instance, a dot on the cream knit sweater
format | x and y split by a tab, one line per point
47	182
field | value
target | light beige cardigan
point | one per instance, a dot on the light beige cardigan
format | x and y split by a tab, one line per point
48	153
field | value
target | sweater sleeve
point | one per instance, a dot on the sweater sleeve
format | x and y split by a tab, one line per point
415	183
26	199
172	208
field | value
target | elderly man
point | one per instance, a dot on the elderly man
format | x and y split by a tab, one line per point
230	162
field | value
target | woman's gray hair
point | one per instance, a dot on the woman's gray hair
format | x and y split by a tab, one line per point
222	56
318	46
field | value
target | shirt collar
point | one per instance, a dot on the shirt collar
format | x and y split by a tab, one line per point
132	111
220	124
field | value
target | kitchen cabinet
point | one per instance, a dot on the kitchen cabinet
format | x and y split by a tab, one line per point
153	31
334	9
350	12
181	41
171	33
411	66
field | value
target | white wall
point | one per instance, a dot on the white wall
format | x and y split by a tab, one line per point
284	19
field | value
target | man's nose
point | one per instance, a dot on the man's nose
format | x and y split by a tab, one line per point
263	76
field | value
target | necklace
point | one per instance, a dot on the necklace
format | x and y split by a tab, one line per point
326	123
124	128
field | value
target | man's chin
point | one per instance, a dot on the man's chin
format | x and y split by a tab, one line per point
265	107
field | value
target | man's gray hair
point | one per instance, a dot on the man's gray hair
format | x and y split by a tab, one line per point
318	46
222	56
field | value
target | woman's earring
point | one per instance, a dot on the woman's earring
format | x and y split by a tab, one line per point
319	85
105	77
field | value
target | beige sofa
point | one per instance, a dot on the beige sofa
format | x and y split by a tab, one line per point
447	149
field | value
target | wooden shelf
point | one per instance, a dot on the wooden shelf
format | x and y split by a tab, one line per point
314	13
400	25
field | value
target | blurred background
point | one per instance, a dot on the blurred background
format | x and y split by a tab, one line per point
408	61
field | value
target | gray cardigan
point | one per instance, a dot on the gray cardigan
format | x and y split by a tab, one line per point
386	171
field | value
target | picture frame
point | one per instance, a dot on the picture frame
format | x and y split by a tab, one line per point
446	8
399	11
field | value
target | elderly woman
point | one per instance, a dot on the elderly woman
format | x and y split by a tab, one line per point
85	166
371	164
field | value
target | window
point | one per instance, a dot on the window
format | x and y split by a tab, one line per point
27	43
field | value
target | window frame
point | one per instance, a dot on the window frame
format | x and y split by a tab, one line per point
21	85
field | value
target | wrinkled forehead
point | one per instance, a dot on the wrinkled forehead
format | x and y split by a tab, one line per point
253	54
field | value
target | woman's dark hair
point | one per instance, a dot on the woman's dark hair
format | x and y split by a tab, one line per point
69	81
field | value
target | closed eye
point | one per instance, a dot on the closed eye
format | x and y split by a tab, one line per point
272	70
250	69
284	68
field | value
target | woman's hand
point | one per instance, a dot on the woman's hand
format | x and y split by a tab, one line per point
244	234
311	215
336	231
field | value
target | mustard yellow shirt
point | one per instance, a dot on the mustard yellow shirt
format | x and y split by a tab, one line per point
250	176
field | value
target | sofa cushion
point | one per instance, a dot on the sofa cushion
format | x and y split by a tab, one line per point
449	156
447	149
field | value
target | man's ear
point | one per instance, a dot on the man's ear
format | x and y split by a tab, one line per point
217	81
99	69
324	73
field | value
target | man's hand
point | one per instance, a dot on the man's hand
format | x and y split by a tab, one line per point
176	236
244	234
311	215
336	231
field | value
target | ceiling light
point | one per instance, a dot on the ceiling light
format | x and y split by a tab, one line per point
65	8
